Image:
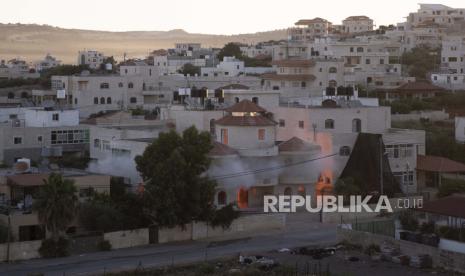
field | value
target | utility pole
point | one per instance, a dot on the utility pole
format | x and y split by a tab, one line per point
381	155
8	236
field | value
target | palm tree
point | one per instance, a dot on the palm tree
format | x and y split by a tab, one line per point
57	204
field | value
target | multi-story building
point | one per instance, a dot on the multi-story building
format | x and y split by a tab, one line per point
451	75
436	13
17	68
48	62
357	24
42	133
230	66
254	51
93	59
308	29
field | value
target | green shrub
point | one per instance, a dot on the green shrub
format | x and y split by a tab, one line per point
104	245
54	249
205	269
372	249
451	186
427	228
224	216
408	221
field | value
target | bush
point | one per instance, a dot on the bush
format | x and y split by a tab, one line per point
104	245
224	216
372	249
451	186
427	228
54	249
205	269
408	221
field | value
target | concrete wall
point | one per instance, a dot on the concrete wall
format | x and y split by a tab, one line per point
175	234
124	239
434	115
20	250
441	258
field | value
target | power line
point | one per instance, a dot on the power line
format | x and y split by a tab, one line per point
244	173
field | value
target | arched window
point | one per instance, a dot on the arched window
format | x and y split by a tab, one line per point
236	99
344	151
11	95
221	198
255	100
96	143
288	191
104	85
329	124
130	85
212	127
102	100
133	100
120	84
109	100
333	70
95	100
359	49
332	83
356	125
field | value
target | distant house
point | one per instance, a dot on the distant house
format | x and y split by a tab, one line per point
460	129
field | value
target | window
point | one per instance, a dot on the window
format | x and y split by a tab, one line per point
13	116
130	85
400	151
17	140
360	50
76	136
221	198
367	61
329	124
282	123
95	100
109	100
288	191
55	117
381	61
356	125
333	70
212	127
102	100
39	138
236	99
301	124
120	84
224	136
104	85
133	100
96	143
303	84
344	151
86	192
255	100
261	134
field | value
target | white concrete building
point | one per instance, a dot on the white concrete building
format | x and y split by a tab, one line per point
94	59
452	72
230	66
17	68
357	24
308	29
253	51
48	62
460	129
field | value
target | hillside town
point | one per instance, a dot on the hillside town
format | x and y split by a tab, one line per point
182	145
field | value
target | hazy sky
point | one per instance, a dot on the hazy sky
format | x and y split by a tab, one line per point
200	16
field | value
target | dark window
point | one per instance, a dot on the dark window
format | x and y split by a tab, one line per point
356	125
329	124
102	100
109	100
301	124
130	85
56	117
133	100
95	100
282	123
222	198
104	85
344	151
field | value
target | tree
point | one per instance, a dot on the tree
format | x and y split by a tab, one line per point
230	50
190	69
421	60
56	204
177	191
61	70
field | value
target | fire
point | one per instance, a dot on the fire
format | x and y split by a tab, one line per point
324	185
242	198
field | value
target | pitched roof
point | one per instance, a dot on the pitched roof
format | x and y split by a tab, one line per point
234	86
439	164
294	63
296	144
245	106
27	180
453	206
285	77
230	120
418	86
311	21
220	149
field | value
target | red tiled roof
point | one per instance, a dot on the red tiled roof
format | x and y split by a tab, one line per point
274	76
418	86
230	120
438	164
220	149
294	63
296	144
452	206
245	106
27	180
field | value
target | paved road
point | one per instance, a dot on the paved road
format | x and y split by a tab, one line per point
298	232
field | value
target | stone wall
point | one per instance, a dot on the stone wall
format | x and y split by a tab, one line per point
441	258
20	250
124	239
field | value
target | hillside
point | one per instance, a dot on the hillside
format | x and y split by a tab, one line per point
32	41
